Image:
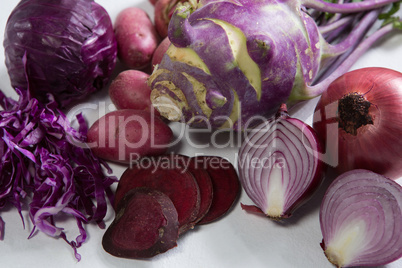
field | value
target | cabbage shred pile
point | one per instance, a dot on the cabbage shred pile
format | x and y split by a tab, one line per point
46	163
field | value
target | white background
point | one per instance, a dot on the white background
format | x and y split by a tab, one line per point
238	240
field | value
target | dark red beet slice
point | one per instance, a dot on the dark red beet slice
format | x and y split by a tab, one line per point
176	182
122	182
168	161
205	185
225	182
202	178
145	225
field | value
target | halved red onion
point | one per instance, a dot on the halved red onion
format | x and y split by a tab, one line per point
361	220
279	165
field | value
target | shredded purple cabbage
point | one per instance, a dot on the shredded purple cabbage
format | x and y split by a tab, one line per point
44	162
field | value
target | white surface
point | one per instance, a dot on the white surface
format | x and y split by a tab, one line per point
238	240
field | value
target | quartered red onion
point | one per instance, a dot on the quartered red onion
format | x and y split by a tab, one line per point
279	165
361	220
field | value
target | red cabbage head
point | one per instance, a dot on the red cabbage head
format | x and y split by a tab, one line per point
64	47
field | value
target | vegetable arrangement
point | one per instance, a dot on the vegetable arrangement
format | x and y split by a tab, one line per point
232	61
190	191
61	171
45	162
67	48
135	129
281	162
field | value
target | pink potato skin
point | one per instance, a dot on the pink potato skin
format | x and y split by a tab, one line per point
125	135
160	51
129	90
136	37
162	14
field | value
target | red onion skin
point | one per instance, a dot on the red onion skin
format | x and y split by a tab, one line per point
377	146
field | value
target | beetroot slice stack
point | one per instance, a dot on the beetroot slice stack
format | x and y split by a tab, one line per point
201	189
177	183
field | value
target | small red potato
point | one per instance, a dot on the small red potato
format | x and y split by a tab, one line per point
162	13
136	37
160	51
123	135
146	224
129	90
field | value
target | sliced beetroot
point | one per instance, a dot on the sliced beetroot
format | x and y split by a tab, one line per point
162	162
225	183
176	182
145	225
178	161
205	185
120	192
201	176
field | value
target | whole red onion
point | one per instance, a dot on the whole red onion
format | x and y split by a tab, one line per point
359	120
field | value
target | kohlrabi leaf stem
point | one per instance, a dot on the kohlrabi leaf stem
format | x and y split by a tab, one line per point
329	27
345	65
335	56
345	7
354	38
